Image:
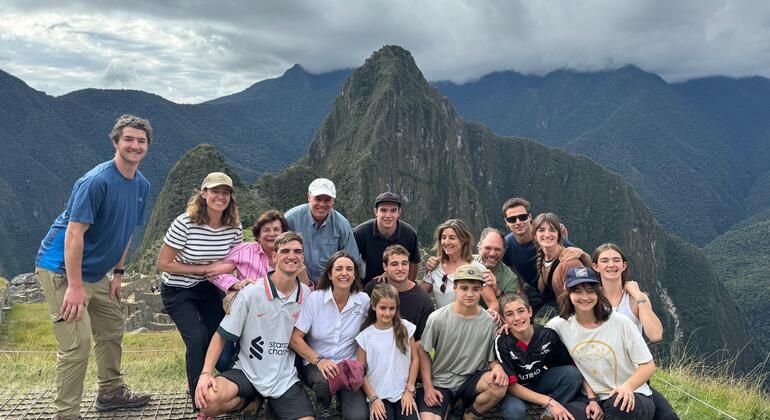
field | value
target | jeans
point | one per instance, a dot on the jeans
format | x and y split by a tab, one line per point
562	383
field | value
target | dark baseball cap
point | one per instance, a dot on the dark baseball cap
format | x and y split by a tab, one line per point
580	275
387	197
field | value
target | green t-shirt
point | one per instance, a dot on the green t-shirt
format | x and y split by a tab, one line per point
463	346
507	280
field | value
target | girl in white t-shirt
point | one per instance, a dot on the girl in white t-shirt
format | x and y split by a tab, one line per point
607	348
387	348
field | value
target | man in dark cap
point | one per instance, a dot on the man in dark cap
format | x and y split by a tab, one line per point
374	235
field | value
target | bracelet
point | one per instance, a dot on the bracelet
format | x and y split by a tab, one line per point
118	271
595	399
204	373
550	398
373	399
641	301
317	360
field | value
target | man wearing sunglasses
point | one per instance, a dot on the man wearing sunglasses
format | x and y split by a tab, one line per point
521	253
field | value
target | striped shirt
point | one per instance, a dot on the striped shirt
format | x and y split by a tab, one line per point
197	244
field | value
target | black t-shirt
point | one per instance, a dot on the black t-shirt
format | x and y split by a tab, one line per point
371	245
415	306
524	363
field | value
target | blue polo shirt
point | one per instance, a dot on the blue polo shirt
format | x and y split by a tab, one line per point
322	241
112	205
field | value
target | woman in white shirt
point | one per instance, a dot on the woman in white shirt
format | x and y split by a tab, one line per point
607	348
454	245
325	334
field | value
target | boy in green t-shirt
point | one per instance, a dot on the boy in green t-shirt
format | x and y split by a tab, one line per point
464	366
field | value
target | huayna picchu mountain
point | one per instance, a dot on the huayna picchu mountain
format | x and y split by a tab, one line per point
390	129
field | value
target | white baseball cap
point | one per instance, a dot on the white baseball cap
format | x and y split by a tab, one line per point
322	186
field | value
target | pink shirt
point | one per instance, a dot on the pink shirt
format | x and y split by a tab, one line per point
250	261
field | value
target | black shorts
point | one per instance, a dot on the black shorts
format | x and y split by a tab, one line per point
466	391
293	404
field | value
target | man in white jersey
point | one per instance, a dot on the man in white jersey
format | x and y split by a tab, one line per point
261	319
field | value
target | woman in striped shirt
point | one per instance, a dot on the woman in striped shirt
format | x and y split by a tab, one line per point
202	235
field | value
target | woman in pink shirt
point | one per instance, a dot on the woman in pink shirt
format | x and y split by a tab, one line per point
251	261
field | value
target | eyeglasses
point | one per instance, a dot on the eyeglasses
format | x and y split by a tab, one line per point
520	217
444	281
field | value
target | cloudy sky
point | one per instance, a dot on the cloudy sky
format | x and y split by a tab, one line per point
195	50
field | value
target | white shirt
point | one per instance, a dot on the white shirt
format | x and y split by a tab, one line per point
436	277
330	332
262	320
388	368
606	355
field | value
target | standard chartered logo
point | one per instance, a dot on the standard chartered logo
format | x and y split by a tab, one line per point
256	348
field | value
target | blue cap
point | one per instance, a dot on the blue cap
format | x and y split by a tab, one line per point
580	275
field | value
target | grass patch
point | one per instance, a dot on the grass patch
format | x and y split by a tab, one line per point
28	329
151	361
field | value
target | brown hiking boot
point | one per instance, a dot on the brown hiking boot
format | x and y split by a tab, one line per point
122	397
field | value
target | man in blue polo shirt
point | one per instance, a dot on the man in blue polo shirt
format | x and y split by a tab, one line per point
324	230
88	239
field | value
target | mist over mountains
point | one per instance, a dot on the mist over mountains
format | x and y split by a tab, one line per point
695	153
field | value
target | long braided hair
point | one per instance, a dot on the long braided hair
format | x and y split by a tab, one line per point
550	219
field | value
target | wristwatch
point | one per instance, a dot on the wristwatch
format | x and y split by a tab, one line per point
118	271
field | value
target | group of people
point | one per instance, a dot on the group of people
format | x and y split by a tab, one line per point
314	301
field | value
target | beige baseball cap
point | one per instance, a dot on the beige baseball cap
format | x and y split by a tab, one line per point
468	272
216	179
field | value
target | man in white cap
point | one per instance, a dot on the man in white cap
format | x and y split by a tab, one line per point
323	229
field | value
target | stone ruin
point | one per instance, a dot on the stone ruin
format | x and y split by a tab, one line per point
142	305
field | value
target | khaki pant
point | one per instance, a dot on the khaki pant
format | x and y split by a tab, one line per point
104	319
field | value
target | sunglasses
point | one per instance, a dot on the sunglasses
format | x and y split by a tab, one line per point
444	282
520	217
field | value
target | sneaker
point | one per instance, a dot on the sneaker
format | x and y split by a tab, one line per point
324	413
122	397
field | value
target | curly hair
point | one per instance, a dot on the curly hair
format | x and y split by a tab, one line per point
128	120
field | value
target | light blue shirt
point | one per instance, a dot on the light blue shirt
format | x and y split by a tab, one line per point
321	242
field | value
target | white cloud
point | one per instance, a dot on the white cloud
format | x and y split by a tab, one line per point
192	51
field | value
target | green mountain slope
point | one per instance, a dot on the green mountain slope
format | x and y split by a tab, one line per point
390	130
741	257
665	143
49	142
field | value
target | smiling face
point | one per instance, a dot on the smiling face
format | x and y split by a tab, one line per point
450	242
343	274
467	293
491	250
268	232
131	146
289	257
519	228
397	268
217	198
385	309
547	235
584	298
387	215
320	206
518	316
610	266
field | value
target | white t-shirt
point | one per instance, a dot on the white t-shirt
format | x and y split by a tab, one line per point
329	332
197	244
607	355
388	368
262	320
436	277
